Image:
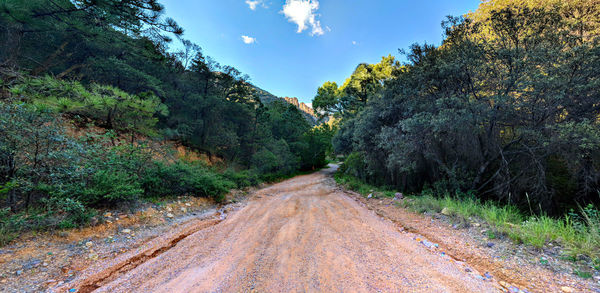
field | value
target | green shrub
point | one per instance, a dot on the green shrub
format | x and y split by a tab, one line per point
7	229
111	186
70	212
161	179
210	184
57	213
315	147
357	185
183	178
243	178
355	166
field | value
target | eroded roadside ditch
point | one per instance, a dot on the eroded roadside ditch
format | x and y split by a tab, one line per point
96	281
104	272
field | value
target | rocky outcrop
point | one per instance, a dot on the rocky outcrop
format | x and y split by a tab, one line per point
306	110
301	106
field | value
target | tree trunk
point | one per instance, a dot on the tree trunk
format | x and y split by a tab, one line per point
69	70
48	63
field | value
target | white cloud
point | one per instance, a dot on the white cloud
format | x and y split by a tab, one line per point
252	4
248	40
304	14
354	43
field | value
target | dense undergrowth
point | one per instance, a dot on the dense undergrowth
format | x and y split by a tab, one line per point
578	232
68	150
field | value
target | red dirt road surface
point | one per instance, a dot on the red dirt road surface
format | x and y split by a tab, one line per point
301	235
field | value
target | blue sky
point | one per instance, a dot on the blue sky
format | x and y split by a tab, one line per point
291	47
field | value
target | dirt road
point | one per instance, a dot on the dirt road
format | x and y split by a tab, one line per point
301	235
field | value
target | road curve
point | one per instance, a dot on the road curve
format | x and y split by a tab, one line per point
301	235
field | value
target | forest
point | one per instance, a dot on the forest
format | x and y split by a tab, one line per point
93	96
506	109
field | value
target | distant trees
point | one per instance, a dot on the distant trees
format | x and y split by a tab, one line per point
366	82
506	107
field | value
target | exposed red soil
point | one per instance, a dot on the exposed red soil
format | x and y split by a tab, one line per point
303	234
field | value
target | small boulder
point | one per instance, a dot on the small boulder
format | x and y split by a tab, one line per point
169	215
126	231
490	244
427	243
446	211
370	195
398	196
89	244
513	289
567	289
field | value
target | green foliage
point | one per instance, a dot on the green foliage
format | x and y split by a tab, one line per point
316	147
327	99
7	232
242	179
108	106
184	178
49	180
210	184
355	184
355	166
127	79
276	157
505	107
69	212
366	82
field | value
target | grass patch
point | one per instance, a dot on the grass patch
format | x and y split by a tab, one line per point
578	233
584	274
353	183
